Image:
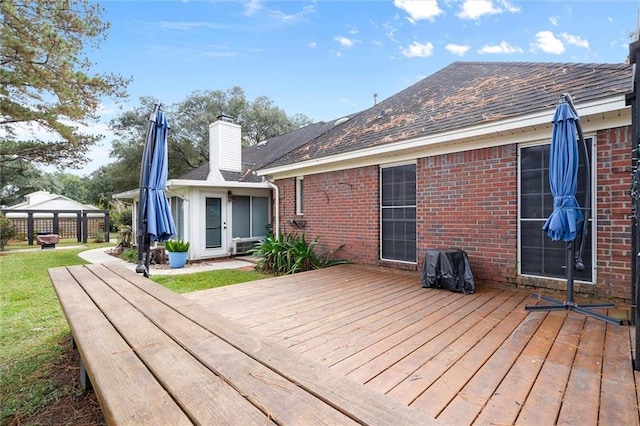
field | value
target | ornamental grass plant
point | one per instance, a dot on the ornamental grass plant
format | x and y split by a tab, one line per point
289	254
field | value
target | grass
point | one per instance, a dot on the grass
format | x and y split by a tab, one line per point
203	280
33	329
66	242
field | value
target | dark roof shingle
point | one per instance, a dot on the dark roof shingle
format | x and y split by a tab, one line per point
258	156
464	94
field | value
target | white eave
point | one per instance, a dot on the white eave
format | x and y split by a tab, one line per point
126	195
525	128
206	183
187	183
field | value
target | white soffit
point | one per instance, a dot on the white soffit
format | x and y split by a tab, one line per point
596	115
207	183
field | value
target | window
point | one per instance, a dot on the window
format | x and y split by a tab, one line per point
299	195
398	213
177	211
213	223
538	254
250	216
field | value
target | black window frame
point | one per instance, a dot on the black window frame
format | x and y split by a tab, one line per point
538	255
398	213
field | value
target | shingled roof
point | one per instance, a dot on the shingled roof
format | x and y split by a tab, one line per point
260	155
466	94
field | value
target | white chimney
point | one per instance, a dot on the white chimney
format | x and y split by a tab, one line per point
225	147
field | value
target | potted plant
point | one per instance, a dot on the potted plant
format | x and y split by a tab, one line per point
178	251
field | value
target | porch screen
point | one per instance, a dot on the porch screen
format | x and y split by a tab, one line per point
398	213
538	254
250	216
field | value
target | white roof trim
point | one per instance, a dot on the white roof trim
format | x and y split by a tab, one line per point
215	184
489	132
186	183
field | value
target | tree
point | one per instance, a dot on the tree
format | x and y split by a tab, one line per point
13	187
99	186
188	137
263	120
47	83
67	185
130	128
189	121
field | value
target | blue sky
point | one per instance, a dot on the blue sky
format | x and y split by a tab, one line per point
326	59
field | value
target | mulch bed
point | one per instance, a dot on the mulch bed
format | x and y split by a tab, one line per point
76	408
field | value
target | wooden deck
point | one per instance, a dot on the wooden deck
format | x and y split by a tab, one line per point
463	359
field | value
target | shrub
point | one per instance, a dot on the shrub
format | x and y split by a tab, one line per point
130	255
98	236
176	246
7	231
288	254
126	217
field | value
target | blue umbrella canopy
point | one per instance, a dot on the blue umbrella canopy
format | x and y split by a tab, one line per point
566	220
155	222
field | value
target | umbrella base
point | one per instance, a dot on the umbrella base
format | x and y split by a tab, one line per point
557	305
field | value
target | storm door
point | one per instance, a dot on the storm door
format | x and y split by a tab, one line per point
214	224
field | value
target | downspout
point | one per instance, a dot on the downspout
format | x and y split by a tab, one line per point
275	188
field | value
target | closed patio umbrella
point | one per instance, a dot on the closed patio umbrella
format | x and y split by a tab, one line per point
566	221
566	217
155	222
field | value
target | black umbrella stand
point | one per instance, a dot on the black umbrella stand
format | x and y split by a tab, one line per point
573	262
570	303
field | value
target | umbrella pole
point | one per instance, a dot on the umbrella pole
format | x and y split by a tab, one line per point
571	261
570	304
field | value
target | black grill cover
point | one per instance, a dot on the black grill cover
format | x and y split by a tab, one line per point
447	269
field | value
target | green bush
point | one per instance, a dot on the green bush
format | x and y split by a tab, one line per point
176	246
288	254
126	217
7	231
130	255
97	236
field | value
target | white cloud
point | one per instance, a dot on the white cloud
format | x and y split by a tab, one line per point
457	49
292	17
390	31
252	7
475	9
420	50
503	48
344	41
419	10
313	45
554	20
548	43
575	40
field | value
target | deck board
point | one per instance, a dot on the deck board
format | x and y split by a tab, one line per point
463	359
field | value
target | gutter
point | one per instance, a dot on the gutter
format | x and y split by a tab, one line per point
277	208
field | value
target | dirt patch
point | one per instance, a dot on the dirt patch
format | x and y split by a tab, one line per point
75	407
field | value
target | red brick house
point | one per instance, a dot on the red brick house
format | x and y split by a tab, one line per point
460	159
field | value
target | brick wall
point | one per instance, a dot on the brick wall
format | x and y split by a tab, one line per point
341	208
468	200
614	212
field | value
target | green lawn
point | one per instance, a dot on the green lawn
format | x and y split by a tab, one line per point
32	325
